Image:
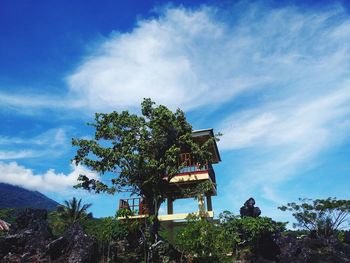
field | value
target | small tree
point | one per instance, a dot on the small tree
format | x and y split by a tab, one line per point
106	230
203	240
73	211
138	152
325	216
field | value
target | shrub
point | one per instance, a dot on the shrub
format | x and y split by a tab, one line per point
323	216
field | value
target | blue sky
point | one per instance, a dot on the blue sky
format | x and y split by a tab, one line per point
272	76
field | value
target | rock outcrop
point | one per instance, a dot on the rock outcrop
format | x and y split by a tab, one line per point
30	240
309	249
27	238
73	247
248	209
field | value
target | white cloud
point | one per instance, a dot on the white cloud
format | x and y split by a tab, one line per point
193	58
49	143
317	121
15	174
20	154
287	137
183	59
52	137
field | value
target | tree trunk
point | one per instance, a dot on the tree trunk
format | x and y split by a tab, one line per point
153	209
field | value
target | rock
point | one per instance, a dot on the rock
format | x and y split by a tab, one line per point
312	250
248	209
347	237
73	247
164	252
27	236
30	240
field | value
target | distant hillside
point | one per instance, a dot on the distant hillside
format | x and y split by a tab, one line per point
18	197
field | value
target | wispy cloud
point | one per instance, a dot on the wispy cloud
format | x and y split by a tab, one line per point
33	104
50	143
182	59
304	110
15	174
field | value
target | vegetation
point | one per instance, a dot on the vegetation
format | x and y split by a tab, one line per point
139	151
203	240
323	216
71	212
209	241
200	240
8	215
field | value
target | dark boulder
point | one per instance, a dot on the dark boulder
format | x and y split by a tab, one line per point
30	240
28	235
248	209
347	237
312	250
163	252
73	247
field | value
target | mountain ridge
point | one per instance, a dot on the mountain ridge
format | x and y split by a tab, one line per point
12	196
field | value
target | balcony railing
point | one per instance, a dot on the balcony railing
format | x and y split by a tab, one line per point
136	205
188	165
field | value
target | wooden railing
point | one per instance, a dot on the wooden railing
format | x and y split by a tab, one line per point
136	205
188	165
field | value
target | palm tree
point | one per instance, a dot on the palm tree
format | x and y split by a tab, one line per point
73	211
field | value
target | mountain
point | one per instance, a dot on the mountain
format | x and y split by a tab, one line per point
17	197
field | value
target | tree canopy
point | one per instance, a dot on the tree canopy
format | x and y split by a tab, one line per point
325	216
139	151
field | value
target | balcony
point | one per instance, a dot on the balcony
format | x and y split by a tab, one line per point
190	170
138	210
136	206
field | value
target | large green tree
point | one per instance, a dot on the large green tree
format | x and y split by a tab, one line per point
140	152
324	216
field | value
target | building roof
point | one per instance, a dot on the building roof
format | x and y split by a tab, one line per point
202	136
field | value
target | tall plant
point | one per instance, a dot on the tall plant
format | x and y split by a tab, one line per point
73	211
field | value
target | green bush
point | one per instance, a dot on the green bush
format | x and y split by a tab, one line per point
203	240
248	230
106	229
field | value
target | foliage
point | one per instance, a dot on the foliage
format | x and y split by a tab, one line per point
71	212
106	229
325	216
203	239
138	151
248	230
8	215
124	212
199	190
57	225
213	241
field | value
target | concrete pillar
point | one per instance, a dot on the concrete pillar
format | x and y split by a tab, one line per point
209	204
170	206
201	205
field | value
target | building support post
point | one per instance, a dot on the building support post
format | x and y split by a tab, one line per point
201	205
209	204
170	206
